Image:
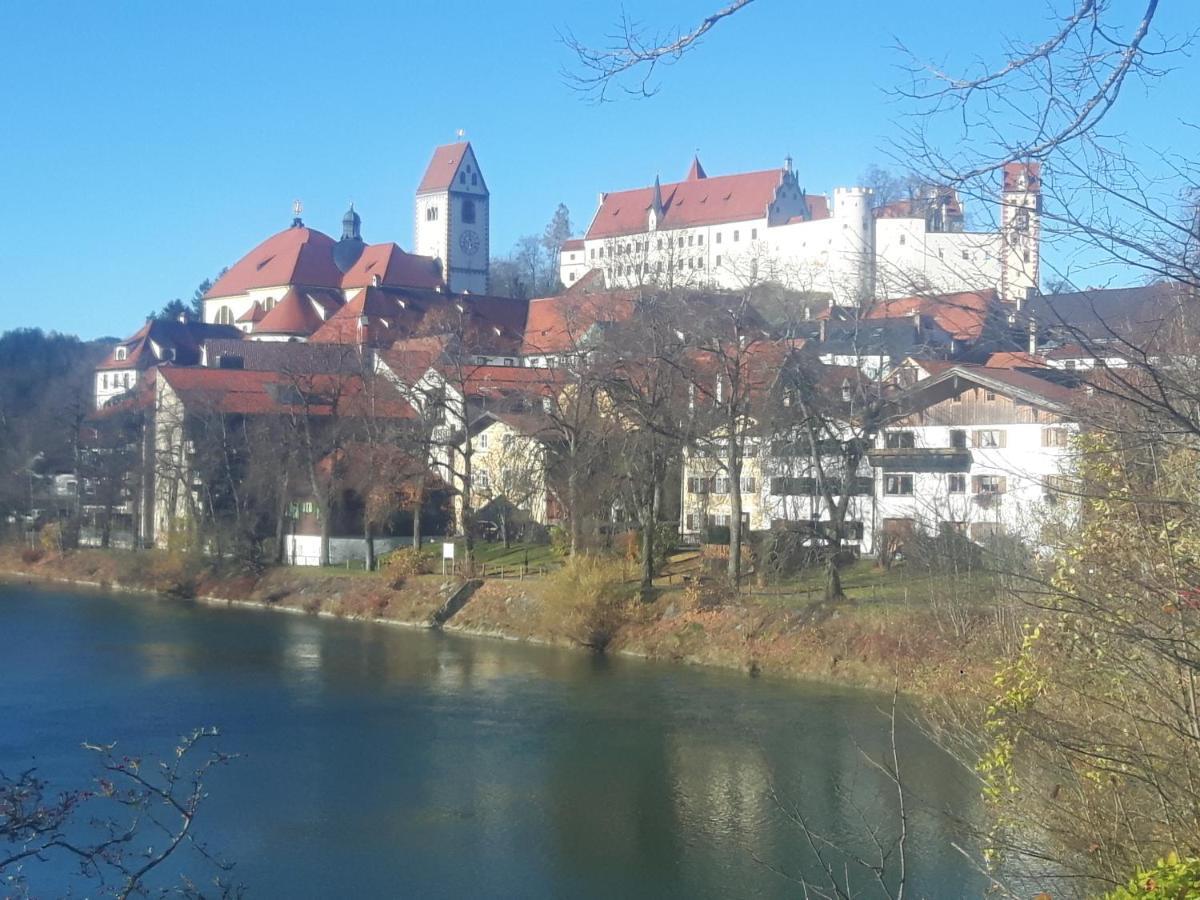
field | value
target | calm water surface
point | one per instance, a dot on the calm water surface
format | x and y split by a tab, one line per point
381	762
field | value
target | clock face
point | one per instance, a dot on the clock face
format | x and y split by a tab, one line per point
469	242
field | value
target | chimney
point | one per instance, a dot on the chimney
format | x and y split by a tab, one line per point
821	333
915	317
807	313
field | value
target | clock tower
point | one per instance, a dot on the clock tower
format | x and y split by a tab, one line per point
1020	231
452	218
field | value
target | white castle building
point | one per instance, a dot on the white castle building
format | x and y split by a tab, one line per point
732	231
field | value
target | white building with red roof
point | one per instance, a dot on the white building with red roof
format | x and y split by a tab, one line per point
732	231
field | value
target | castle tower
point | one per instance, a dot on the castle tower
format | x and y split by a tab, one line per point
1020	230
852	247
453	218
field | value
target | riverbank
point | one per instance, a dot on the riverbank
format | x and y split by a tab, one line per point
859	643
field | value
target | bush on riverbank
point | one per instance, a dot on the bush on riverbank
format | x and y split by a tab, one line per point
589	600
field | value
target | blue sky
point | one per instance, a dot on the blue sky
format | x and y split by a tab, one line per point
146	145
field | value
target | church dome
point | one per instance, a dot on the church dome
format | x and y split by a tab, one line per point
347	251
296	255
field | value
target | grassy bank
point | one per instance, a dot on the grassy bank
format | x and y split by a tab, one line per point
893	628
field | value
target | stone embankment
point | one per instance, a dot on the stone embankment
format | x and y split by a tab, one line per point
866	645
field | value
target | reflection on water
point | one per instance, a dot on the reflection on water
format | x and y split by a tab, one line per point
384	762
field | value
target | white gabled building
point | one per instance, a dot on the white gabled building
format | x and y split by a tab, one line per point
730	231
980	451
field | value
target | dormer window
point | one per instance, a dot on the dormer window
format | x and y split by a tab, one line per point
122	353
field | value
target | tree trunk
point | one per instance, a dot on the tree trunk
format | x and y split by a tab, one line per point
324	535
647	585
833	578
572	505
504	530
106	529
416	514
734	467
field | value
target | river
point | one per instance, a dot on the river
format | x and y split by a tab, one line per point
384	762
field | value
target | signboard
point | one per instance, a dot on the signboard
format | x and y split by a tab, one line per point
447	550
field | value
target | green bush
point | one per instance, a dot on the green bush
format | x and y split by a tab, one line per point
1171	879
590	600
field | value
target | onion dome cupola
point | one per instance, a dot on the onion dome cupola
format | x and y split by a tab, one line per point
347	251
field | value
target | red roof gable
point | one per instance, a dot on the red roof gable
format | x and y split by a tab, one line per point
237	391
445	162
295	314
557	323
393	267
701	201
962	315
1032	172
296	255
573	244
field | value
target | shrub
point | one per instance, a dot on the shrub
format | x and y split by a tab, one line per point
560	540
1171	879
32	554
590	600
404	563
716	534
51	537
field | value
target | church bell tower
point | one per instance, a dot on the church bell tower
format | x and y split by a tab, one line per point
452	218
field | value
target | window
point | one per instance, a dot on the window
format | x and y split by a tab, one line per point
941	253
462	177
966	254
483	481
691	240
125	380
989	395
720	485
474	178
593	252
431	214
571	277
483	441
225	316
697	485
690	522
899	440
104	381
749	485
269	304
718	237
1070	364
957	483
898	485
122	353
508	361
700	240
468	212
793	487
989	484
754	234
958	439
1055	437
993	438
308	507
1027	256
903	240
718	260
736	234
982	531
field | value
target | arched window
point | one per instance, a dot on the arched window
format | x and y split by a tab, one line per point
269	304
431	214
122	353
468	212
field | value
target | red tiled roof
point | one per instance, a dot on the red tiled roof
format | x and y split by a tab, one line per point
296	255
701	201
236	391
294	314
445	162
497	381
557	323
573	244
1012	176
962	315
393	267
254	314
1013	360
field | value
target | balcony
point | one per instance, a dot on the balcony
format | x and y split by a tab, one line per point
921	459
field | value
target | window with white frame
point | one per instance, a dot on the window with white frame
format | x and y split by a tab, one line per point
956	483
898	485
988	438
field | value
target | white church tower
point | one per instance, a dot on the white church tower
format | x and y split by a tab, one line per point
452	218
1020	230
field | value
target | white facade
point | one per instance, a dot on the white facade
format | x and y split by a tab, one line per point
852	256
452	225
112	383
